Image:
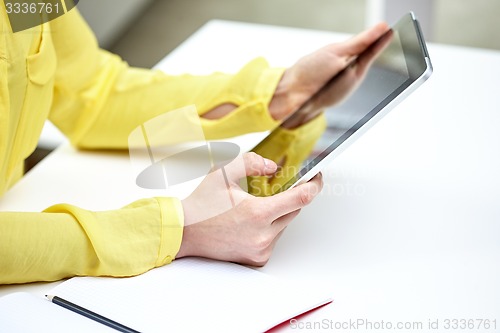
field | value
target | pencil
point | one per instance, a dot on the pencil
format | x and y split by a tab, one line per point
89	314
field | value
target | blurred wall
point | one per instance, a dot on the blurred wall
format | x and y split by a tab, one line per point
111	18
462	22
149	29
469	23
169	22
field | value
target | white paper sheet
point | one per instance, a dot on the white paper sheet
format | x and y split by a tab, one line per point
193	295
26	313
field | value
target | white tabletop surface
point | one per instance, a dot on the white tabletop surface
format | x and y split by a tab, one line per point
407	229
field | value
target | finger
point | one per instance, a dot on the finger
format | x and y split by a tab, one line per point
275	240
295	198
280	225
283	221
249	164
365	61
362	41
265	254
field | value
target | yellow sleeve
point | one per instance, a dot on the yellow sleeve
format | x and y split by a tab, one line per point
65	241
99	99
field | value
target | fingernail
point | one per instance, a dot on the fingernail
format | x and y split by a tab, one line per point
270	165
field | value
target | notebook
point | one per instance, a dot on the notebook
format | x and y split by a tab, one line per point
189	295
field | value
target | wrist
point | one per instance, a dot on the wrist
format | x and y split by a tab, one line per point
286	98
194	235
186	248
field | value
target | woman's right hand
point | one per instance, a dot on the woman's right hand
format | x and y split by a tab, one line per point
224	222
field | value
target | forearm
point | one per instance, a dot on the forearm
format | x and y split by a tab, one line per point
67	241
98	99
286	100
129	97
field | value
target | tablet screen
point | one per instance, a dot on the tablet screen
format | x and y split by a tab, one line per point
351	99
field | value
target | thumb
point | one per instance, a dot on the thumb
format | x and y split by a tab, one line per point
249	164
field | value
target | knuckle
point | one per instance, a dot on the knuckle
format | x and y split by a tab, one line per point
253	162
258	213
305	197
261	263
261	243
252	158
260	258
253	154
259	249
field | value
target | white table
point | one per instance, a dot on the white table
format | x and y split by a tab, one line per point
407	228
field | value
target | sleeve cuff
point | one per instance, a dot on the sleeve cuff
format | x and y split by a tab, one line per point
172	225
252	90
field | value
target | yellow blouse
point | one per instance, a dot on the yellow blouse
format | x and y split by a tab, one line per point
56	71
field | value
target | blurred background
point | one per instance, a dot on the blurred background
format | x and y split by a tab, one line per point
144	31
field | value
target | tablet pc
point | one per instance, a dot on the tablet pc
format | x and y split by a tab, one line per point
355	99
